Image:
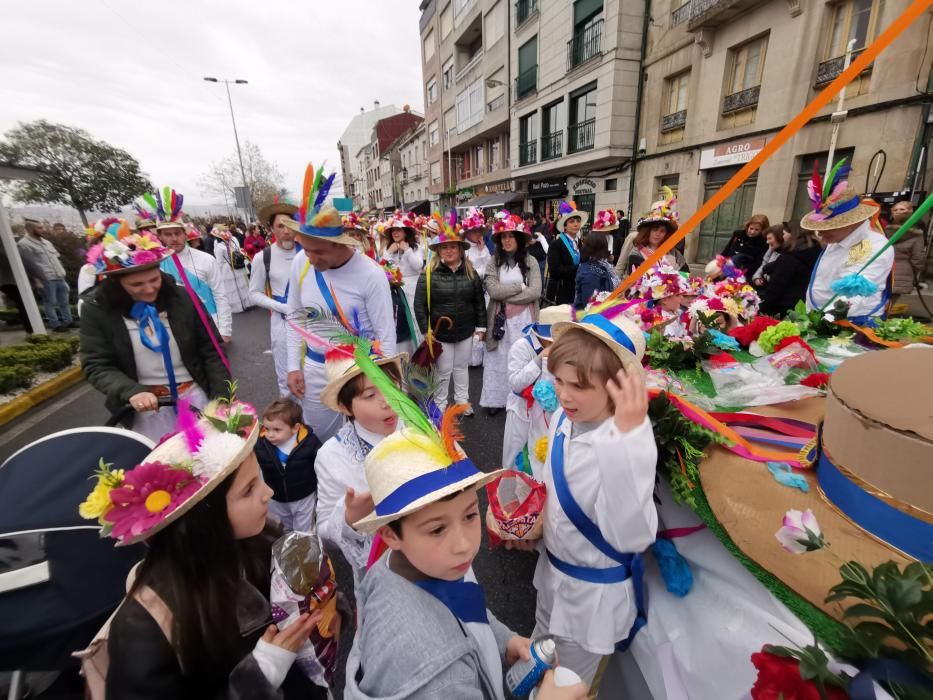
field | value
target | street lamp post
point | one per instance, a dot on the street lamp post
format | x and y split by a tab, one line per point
236	137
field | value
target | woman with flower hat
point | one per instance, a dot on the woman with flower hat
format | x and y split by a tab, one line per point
196	619
88	275
513	282
473	228
653	229
563	256
401	247
663	290
141	339
233	268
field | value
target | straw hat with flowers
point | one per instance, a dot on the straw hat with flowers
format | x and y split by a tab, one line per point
661	212
568	210
835	203
315	219
607	323
120	252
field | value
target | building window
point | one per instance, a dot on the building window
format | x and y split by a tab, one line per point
449	73
477	156
527	80
435	135
470	106
447	22
851	19
435	172
524	9
528	139
586	42
552	130
672	181
495	23
677	92
494	155
748	61
450	120
429	45
432	91
612	184
581	134
674	111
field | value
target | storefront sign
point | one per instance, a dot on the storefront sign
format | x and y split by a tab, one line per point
465	195
494	187
734	153
551	187
584	186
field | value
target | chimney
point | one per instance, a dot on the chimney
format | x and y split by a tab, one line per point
375	104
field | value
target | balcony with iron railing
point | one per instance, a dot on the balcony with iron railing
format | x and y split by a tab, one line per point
585	45
495	103
552	145
677	120
709	13
525	10
581	137
828	71
528	152
526	83
743	99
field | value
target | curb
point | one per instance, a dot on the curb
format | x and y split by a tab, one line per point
38	394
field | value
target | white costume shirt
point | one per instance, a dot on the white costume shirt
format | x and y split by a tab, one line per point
611	476
479	257
199	264
845	258
280	267
409	261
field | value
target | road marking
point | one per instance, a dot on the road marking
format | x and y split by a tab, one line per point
42	414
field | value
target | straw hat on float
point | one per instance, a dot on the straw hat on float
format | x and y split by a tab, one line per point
568	210
120	252
870	488
134	504
606	322
316	220
268	213
835	203
340	367
606	220
543	328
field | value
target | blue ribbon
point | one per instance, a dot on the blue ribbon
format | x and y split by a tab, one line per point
906	533
314	355
465	599
890	671
568	243
630	565
145	316
322	231
421	486
326	293
201	288
616	333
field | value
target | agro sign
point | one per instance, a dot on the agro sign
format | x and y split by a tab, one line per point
735	153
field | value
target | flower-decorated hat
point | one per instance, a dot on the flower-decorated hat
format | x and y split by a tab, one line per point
353	222
164	209
315	219
221	231
708	306
507	222
723	266
606	220
606	322
120	252
96	232
134	504
662	212
547	317
193	233
660	282
340	367
835	203
568	210
445	230
474	220
268	213
403	220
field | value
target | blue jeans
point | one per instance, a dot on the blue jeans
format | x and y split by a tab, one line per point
55	300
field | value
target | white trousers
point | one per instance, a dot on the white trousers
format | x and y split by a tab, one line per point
295	515
455	359
279	346
516	435
324	422
584	663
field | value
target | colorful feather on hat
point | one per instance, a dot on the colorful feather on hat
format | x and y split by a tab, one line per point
314	191
187	424
815	189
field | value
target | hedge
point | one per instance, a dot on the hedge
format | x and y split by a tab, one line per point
40	353
16	377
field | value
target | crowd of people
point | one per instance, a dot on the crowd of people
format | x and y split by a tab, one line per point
369	321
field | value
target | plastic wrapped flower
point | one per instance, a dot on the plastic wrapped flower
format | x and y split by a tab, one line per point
800	533
98	502
773	335
148	494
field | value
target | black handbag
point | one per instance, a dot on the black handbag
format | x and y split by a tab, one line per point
239	260
498	323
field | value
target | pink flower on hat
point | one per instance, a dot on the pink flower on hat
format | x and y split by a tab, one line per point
474	219
148	494
505	222
800	533
605	219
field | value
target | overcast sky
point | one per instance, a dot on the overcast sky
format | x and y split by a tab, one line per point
131	73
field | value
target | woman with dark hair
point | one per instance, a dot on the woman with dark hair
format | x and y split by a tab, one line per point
141	338
649	238
513	282
401	247
775	237
595	273
789	275
747	247
196	621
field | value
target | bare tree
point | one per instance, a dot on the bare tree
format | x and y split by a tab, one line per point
264	179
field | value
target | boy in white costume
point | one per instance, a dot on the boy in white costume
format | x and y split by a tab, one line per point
232	263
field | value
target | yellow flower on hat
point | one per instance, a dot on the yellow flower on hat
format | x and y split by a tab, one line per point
731	306
144	242
98	502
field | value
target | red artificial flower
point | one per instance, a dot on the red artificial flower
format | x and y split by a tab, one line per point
779	677
722	358
790	340
749	333
817	380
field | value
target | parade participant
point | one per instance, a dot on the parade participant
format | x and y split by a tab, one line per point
473	229
748	246
333	278
655	227
286	451
663	290
400	245
600	477
595	274
841	221
530	405
513	283
424	628
50	276
195	621
359	229
194	237
776	236
88	275
343	494
254	241
790	273
233	268
269	283
200	269
563	256
456	312
141	338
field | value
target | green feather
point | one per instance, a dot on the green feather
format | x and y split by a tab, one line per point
829	181
150	200
316	186
404	407
167	200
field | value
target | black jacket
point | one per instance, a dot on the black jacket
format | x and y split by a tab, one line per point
296	479
561	273
788	279
748	250
454	295
107	353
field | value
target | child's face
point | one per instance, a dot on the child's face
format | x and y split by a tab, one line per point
583	404
248	500
369	409
672	303
278	431
442	539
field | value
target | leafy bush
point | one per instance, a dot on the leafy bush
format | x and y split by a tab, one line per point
40	354
16	377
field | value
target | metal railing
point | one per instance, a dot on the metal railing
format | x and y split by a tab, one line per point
552	145
681	14
677	120
585	45
828	71
528	152
526	82
741	100
524	9
581	137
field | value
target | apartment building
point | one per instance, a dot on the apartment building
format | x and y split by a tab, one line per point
358	134
575	68
380	161
413	173
722	77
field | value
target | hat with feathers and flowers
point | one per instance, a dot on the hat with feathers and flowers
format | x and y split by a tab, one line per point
120	252
163	208
567	209
835	203
316	219
445	230
662	212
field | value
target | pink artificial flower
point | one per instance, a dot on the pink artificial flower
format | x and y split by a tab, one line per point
800	533
149	493
93	255
141	257
716	304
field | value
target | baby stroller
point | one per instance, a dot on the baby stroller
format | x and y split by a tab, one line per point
59	581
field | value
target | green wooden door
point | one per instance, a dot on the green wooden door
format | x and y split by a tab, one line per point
717	228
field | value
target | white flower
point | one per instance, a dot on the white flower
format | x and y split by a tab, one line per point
216	452
800	532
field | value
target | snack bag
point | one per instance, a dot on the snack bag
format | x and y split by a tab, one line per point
516	502
303	580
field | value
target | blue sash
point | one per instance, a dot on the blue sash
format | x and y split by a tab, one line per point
630	565
145	316
574	253
201	288
282	299
464	599
325	292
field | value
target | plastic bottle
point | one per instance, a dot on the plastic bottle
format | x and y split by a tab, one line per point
525	675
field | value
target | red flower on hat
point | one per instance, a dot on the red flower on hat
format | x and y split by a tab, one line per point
779	677
748	333
148	494
817	380
792	339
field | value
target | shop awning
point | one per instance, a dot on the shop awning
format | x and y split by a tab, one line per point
422	207
494	200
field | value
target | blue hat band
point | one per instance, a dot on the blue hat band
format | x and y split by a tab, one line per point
424	485
322	231
608	327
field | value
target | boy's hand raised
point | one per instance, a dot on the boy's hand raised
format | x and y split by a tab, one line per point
630	396
358	506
